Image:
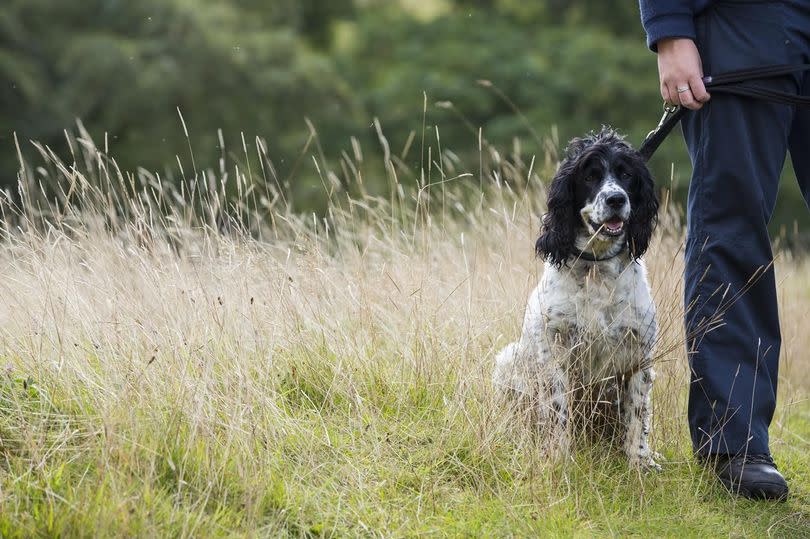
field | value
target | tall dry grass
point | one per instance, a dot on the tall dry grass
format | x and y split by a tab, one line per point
196	358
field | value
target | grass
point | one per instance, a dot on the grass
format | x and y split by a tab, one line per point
175	365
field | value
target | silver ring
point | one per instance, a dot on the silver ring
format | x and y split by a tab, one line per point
682	89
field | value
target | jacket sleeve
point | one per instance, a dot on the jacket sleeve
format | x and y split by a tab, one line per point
669	18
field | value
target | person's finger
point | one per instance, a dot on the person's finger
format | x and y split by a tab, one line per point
674	95
665	92
699	89
686	98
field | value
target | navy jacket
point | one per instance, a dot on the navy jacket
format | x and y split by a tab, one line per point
669	18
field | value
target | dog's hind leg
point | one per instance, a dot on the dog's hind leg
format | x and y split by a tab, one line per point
636	415
511	371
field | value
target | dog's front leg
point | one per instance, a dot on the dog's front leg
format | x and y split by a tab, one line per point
636	413
559	403
555	400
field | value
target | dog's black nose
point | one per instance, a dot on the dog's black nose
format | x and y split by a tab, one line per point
616	200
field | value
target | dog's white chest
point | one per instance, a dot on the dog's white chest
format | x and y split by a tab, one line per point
605	321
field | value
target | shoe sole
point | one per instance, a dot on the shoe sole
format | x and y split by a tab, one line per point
753	494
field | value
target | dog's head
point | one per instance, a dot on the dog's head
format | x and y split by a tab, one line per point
602	191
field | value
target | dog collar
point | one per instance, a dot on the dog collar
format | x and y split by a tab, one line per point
585	255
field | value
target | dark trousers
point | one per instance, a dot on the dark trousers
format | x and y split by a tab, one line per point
738	147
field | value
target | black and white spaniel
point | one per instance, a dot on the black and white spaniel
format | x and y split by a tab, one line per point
589	326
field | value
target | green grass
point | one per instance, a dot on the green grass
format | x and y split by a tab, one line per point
398	461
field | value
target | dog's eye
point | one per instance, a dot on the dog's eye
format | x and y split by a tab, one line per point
626	175
590	178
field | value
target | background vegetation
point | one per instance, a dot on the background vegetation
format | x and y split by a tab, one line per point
273	70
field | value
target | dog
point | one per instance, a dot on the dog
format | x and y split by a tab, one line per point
589	326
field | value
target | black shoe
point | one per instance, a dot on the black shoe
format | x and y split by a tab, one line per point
750	476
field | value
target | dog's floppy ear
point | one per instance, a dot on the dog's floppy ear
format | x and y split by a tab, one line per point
556	241
644	204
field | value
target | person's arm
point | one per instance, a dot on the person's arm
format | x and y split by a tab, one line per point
671	33
668	19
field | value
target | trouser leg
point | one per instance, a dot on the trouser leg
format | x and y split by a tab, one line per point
798	29
800	145
738	147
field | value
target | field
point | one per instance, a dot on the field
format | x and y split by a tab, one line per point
177	365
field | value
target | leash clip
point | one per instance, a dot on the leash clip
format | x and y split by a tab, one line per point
669	110
672	115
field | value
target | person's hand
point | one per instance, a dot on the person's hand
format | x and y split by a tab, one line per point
681	73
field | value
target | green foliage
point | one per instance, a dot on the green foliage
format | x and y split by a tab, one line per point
554	77
262	69
124	68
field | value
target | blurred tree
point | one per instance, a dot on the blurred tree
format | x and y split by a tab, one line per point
310	18
124	68
620	18
555	77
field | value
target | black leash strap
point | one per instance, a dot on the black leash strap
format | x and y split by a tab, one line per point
734	83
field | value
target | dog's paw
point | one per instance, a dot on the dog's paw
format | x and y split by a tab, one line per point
560	446
651	466
646	464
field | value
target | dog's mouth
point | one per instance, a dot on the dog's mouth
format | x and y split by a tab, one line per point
612	227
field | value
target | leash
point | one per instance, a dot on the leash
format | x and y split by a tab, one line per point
733	83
